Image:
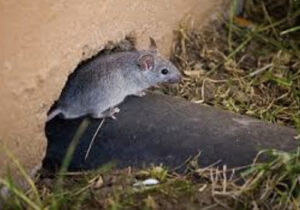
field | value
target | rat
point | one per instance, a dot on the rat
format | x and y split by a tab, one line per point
97	87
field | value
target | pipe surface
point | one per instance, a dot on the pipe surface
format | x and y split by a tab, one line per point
158	129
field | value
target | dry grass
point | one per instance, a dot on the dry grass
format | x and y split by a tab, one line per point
249	65
271	185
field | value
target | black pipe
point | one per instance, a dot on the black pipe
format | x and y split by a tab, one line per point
158	129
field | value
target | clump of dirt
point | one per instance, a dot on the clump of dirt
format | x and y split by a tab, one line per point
117	189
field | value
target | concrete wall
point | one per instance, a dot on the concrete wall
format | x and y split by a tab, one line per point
41	42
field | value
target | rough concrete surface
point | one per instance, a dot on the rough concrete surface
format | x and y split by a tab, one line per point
41	42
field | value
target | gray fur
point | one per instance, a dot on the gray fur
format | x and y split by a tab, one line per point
104	82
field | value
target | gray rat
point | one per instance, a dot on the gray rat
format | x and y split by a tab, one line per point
97	87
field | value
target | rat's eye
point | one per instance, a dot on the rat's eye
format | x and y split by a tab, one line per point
164	71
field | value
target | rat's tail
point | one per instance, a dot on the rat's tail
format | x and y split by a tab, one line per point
53	114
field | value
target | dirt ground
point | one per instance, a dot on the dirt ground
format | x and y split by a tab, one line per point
247	64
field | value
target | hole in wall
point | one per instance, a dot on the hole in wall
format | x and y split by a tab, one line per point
127	44
59	127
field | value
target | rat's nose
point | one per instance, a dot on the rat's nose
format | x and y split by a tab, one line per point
175	79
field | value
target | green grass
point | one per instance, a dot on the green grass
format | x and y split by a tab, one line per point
274	184
251	69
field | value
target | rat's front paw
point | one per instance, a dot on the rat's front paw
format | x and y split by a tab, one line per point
113	111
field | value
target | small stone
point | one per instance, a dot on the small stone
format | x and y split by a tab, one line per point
147	182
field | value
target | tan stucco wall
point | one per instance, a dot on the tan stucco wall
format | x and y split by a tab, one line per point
42	41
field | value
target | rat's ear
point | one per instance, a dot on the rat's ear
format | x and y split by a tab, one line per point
153	46
146	62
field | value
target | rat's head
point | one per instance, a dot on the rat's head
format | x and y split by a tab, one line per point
156	69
